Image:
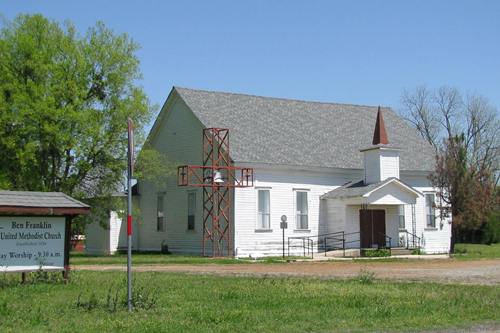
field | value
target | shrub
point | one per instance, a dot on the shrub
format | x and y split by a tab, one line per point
376	253
460	250
491	230
417	251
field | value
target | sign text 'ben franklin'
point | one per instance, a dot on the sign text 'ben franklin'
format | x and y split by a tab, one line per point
30	243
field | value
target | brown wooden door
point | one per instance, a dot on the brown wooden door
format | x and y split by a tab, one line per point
372	228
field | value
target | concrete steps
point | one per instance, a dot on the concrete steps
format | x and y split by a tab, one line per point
400	251
340	253
395	251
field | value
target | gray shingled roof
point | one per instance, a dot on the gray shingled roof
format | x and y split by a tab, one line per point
352	189
358	188
39	199
300	133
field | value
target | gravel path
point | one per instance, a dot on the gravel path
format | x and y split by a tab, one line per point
445	270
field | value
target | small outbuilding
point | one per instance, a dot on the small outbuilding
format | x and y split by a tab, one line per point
109	235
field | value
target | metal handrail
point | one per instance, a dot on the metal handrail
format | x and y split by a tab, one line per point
416	241
330	239
387	237
338	240
307	244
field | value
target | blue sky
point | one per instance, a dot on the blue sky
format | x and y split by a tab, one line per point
361	52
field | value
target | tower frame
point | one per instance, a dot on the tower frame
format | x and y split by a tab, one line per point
218	177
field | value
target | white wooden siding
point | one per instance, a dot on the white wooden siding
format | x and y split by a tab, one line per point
324	215
391	194
115	225
180	138
389	164
381	164
435	240
372	166
104	239
282	185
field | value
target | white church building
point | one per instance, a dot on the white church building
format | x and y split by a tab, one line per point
346	177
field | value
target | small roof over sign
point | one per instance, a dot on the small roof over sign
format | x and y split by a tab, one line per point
40	203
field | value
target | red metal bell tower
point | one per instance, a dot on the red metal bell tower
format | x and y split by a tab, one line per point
218	177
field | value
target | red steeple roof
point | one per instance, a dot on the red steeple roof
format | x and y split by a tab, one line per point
380	135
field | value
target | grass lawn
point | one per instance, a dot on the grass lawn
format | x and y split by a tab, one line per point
197	303
78	258
463	251
477	251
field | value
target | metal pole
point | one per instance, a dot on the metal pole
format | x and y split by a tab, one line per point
283	229
283	226
129	215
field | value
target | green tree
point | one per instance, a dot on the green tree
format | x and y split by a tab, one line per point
468	192
64	104
154	167
465	133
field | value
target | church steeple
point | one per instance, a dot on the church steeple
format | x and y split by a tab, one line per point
381	161
380	134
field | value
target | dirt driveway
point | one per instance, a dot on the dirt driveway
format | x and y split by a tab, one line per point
444	270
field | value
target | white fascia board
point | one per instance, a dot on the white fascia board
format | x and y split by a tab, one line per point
288	167
159	118
355	201
398	182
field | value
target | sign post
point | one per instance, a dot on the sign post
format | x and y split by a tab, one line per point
283	226
129	212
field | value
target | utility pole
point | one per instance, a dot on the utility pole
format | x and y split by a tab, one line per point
129	211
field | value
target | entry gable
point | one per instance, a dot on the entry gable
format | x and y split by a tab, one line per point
392	192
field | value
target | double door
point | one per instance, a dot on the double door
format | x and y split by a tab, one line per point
372	228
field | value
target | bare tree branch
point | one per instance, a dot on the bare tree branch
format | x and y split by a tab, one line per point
418	111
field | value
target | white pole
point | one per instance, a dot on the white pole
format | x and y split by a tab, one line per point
129	213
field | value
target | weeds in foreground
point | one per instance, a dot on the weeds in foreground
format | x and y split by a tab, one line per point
41	276
365	277
10	279
116	299
144	298
212	303
4	280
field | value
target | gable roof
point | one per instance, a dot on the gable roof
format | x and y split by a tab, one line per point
299	133
44	203
360	189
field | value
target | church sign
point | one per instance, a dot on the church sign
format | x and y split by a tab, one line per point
31	242
35	230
